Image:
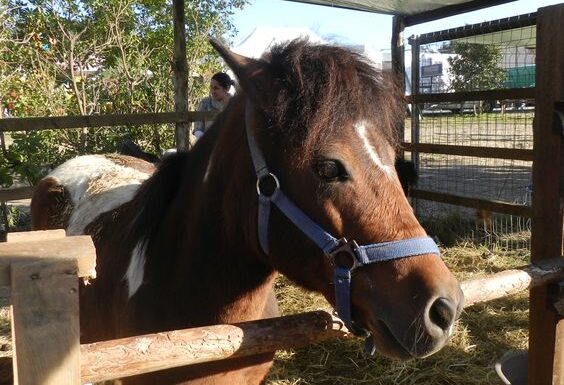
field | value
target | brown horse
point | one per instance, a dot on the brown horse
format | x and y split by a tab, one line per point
194	245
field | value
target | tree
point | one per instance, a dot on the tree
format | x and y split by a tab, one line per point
65	57
475	67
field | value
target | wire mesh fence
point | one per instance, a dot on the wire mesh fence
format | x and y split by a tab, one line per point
486	57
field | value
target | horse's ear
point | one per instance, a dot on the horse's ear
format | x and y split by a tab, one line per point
254	75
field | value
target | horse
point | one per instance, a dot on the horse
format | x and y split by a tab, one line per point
296	176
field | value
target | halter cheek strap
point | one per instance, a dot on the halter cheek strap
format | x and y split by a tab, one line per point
344	255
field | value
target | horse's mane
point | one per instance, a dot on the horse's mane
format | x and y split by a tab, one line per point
323	87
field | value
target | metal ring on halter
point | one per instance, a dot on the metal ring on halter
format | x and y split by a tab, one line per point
261	179
344	255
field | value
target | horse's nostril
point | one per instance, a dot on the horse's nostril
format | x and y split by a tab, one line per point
442	313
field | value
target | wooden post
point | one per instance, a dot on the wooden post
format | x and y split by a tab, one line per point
45	326
180	69
398	61
546	237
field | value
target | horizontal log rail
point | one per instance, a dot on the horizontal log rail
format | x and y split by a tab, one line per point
475	203
482	152
12	194
108	120
501	94
143	354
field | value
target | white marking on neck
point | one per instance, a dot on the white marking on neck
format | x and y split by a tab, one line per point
361	131
136	269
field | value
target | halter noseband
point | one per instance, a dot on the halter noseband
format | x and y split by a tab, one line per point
344	255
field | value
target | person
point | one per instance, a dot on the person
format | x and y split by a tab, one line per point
220	85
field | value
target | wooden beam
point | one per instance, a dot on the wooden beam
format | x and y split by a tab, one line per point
45	326
495	206
12	194
108	120
512	281
546	237
486	27
451	10
501	94
136	355
76	247
180	73
481	152
398	62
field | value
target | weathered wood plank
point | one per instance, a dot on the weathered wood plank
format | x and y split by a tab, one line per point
558	373
76	247
546	237
482	152
143	354
45	326
38	235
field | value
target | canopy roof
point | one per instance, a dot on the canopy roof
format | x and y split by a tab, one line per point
415	11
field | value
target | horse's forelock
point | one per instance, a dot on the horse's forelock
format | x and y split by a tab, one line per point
322	88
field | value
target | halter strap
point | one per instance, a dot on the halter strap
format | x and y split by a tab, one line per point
344	255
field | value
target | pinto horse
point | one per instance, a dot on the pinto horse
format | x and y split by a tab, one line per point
312	132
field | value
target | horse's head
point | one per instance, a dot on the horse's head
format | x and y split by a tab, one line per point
325	121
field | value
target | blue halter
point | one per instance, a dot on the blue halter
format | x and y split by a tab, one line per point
344	255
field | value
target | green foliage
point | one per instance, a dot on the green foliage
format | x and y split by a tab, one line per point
67	57
475	67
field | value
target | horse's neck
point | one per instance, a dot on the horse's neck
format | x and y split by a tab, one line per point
231	281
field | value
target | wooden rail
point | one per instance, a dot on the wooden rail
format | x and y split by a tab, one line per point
502	94
475	203
109	120
482	152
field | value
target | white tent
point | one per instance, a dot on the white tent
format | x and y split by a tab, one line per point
263	38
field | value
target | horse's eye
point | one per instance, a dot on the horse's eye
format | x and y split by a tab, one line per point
330	170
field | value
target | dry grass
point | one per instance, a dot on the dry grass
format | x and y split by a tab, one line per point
482	335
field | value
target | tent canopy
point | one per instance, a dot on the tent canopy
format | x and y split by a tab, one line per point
415	11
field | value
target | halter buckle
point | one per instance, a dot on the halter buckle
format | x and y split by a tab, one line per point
345	255
263	184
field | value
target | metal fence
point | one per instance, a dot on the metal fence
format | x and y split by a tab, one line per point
471	136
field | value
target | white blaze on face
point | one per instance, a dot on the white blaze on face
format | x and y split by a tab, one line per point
136	268
360	128
96	185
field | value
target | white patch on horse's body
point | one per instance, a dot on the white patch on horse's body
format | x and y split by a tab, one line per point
360	128
96	185
136	269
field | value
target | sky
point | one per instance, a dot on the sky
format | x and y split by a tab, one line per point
354	27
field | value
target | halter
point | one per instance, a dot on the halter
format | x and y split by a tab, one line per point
345	256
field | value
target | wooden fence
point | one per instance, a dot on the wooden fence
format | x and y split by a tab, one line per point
91	121
42	269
